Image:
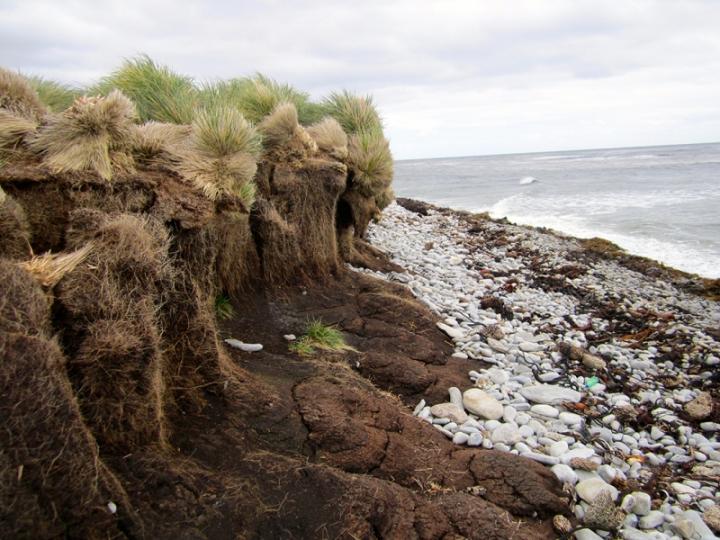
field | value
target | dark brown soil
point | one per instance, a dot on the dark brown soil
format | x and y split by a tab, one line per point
331	435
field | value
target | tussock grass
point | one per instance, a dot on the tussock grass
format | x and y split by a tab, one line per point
56	96
223	307
355	114
319	336
220	155
325	337
384	198
301	347
159	93
281	129
247	192
155	138
223	131
330	137
18	97
14	128
222	93
258	96
279	126
371	161
94	134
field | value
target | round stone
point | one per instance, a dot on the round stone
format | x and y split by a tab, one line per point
588	489
482	404
526	431
545	410
701	407
449	410
456	397
506	434
712	517
475	439
591	361
642	503
460	438
570	419
558	448
575	453
652	520
627	504
550	394
509	413
565	474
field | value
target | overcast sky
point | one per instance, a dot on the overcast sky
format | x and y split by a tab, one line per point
450	78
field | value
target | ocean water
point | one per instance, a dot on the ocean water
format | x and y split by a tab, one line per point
661	202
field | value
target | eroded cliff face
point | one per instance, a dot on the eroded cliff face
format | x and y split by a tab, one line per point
126	416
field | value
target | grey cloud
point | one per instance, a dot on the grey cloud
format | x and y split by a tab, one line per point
530	71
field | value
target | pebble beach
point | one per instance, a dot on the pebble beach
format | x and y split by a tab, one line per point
603	374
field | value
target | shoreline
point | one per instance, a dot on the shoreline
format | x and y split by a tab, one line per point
596	246
599	364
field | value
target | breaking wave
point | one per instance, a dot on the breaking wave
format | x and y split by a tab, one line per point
574	216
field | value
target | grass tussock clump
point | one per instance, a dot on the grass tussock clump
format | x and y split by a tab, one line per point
55	96
258	96
280	125
155	139
220	156
283	135
20	111
355	114
330	138
319	336
95	134
18	97
14	129
158	93
371	162
384	198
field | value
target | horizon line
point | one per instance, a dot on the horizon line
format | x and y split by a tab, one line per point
557	151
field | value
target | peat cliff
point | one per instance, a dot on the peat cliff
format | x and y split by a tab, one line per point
125	415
